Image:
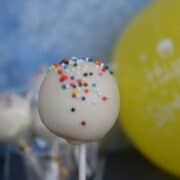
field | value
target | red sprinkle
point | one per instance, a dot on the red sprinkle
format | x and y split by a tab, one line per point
79	80
73	95
60	71
64	77
71	84
86	91
83	123
85	84
104	98
100	73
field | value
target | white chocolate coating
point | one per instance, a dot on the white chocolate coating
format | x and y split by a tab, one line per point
38	128
14	117
79	100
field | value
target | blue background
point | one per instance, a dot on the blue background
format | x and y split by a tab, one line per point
34	32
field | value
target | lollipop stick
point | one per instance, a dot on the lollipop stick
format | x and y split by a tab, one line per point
82	162
30	160
7	163
53	172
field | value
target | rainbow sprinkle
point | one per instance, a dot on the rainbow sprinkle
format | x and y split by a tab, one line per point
80	86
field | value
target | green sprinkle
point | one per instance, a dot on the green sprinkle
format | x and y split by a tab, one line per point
80	84
85	74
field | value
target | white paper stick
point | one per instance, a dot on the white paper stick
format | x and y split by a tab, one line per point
82	162
7	163
53	171
30	160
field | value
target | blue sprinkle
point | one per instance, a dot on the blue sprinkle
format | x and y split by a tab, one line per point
66	66
83	98
72	78
63	86
91	60
106	66
93	84
74	59
83	58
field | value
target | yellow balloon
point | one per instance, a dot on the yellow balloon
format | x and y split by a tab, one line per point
147	58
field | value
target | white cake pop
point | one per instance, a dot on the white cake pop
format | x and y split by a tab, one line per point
14	117
79	100
15	124
38	128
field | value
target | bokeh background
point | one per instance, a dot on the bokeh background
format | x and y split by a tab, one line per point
35	32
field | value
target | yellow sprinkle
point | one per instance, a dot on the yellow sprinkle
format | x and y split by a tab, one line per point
75	91
53	67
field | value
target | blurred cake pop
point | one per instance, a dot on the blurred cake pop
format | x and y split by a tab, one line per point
35	83
15	125
14	117
79	100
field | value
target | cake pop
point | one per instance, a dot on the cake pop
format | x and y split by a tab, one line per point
79	100
15	117
15	124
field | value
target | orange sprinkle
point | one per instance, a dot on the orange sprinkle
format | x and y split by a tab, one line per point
98	62
54	66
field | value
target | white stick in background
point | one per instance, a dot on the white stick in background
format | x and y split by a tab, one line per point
31	160
53	171
7	163
82	162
